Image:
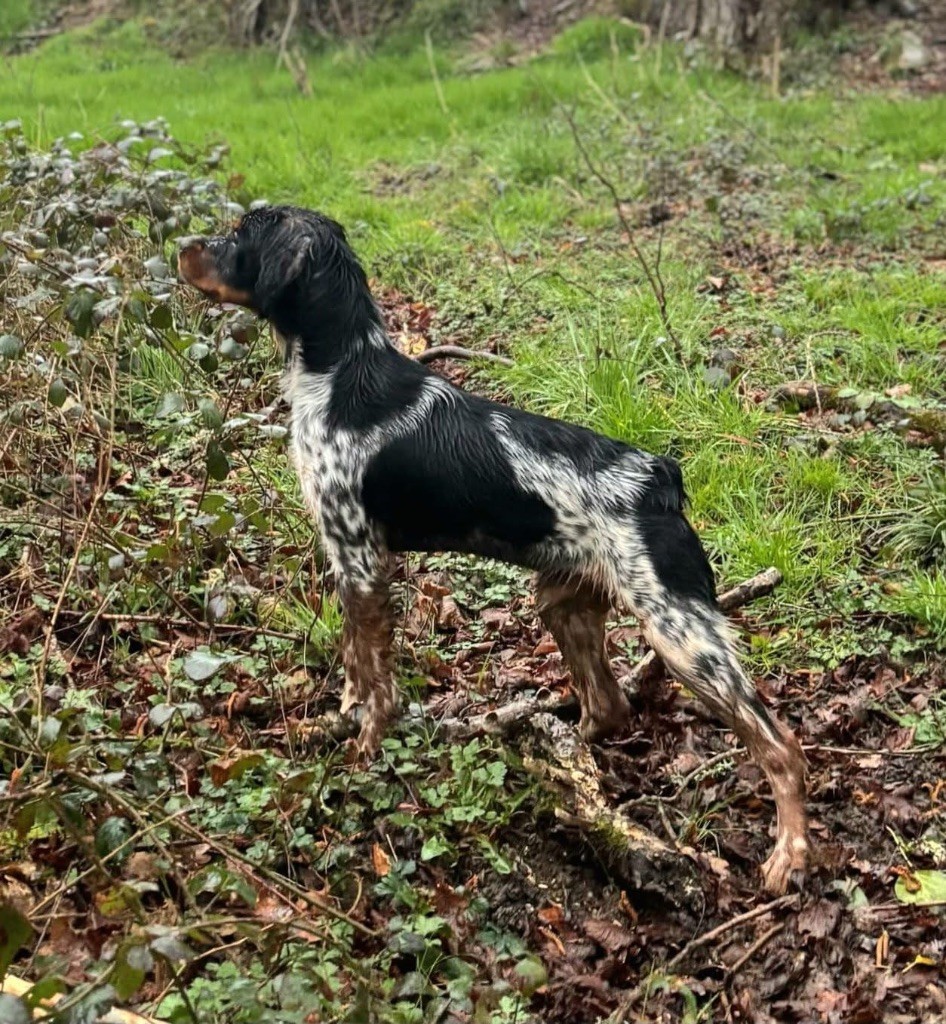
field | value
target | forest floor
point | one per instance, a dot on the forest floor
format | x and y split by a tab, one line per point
181	832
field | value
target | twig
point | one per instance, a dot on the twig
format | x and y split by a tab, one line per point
110	793
926	748
634	852
190	624
758	586
274	879
653	275
620	1014
505	719
728	926
928	422
759	943
456	352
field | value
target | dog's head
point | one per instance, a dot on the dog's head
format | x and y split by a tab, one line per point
275	259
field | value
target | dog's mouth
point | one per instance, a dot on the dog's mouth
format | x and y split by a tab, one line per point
198	268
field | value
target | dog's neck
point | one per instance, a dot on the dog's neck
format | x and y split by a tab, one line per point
326	335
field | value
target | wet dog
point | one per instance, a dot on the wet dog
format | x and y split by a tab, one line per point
392	458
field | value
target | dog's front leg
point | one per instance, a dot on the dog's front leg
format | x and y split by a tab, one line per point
367	641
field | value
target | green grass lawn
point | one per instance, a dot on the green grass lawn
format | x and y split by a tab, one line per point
797	238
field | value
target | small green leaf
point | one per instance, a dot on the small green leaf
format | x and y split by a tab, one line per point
210	414
45	988
210	362
218	465
10	346
132	964
161	714
171	404
78	310
158	269
15	931
531	975
222	525
434	847
161	317
49	731
13	1010
923	886
110	835
58	393
231	349
201	665
170	948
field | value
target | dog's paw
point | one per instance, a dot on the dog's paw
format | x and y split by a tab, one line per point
607	721
786	868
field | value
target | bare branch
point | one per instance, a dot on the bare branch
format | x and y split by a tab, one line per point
651	272
456	352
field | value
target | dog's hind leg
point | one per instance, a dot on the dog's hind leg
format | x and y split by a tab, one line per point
575	616
695	642
367	653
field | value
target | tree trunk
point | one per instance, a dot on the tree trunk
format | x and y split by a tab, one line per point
729	26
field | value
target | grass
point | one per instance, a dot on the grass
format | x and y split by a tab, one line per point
15	17
804	237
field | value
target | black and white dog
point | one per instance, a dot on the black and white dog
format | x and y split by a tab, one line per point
393	458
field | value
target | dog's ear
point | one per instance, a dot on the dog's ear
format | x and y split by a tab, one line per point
310	250
287	258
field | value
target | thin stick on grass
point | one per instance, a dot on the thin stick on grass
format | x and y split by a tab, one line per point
456	352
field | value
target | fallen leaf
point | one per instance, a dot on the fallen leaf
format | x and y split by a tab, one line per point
551	915
380	861
819	920
920	887
226	768
610	936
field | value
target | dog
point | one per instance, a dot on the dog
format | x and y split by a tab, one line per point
393	458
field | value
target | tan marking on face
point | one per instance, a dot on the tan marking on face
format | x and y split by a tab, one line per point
197	269
281	342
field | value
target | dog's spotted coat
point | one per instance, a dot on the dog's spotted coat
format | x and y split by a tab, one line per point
393	458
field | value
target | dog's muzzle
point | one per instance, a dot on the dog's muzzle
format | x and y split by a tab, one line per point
198	268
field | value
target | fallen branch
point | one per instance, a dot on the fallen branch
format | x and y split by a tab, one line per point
506	718
556	753
19	987
877	409
456	352
509	718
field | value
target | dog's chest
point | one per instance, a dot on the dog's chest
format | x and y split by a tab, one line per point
328	460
